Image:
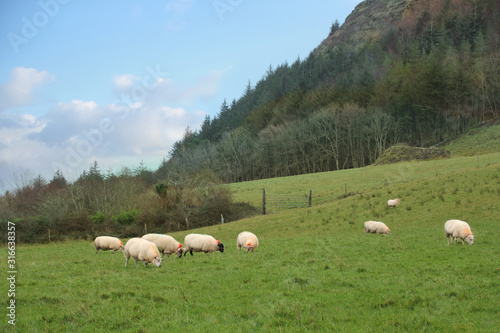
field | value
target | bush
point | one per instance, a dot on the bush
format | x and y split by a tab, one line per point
126	218
98	218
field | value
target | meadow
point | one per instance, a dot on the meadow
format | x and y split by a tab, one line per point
315	268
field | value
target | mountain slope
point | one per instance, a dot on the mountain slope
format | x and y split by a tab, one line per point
368	22
397	71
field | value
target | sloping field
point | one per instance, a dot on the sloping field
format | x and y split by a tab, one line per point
315	269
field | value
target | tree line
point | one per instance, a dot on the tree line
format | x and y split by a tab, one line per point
126	204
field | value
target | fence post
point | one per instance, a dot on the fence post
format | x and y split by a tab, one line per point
263	201
310	198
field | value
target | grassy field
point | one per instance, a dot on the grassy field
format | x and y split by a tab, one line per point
315	269
478	141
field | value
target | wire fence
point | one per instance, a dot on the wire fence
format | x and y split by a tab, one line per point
285	201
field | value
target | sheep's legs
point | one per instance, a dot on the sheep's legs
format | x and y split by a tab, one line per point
126	261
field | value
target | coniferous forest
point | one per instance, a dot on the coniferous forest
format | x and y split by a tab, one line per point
427	77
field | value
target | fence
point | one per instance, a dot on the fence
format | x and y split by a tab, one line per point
285	200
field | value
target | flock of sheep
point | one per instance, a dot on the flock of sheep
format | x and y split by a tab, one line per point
452	228
148	248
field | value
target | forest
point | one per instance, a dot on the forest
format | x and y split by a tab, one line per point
427	79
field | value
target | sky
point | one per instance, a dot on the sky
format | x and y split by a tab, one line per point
119	81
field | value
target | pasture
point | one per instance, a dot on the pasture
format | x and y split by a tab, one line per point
315	269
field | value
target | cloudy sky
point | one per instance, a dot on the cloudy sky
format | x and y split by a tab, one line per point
119	81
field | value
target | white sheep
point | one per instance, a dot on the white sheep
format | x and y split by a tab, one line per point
143	250
375	227
458	229
166	244
201	243
106	243
247	240
393	203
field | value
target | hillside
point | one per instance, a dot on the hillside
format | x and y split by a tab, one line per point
417	72
315	268
368	22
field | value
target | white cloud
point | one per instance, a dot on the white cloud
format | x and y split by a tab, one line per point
174	93
125	81
21	87
70	136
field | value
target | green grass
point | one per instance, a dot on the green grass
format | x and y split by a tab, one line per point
315	269
329	186
478	141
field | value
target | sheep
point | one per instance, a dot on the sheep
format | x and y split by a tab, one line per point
376	227
393	203
458	229
166	244
143	250
106	243
247	240
201	243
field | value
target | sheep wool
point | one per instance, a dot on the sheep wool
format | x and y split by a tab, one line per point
142	250
106	243
166	244
458	229
201	243
375	227
393	202
247	240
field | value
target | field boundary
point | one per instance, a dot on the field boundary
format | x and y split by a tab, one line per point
285	200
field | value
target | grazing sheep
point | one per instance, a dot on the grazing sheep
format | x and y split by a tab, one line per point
143	250
375	227
201	243
393	203
458	229
106	243
247	240
166	244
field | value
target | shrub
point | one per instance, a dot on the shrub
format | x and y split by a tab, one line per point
127	218
98	218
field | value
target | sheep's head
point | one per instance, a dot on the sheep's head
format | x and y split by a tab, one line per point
179	250
157	261
388	231
221	246
470	239
249	247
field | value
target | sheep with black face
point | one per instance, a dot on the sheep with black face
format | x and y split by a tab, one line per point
201	243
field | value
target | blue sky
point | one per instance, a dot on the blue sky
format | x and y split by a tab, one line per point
119	81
